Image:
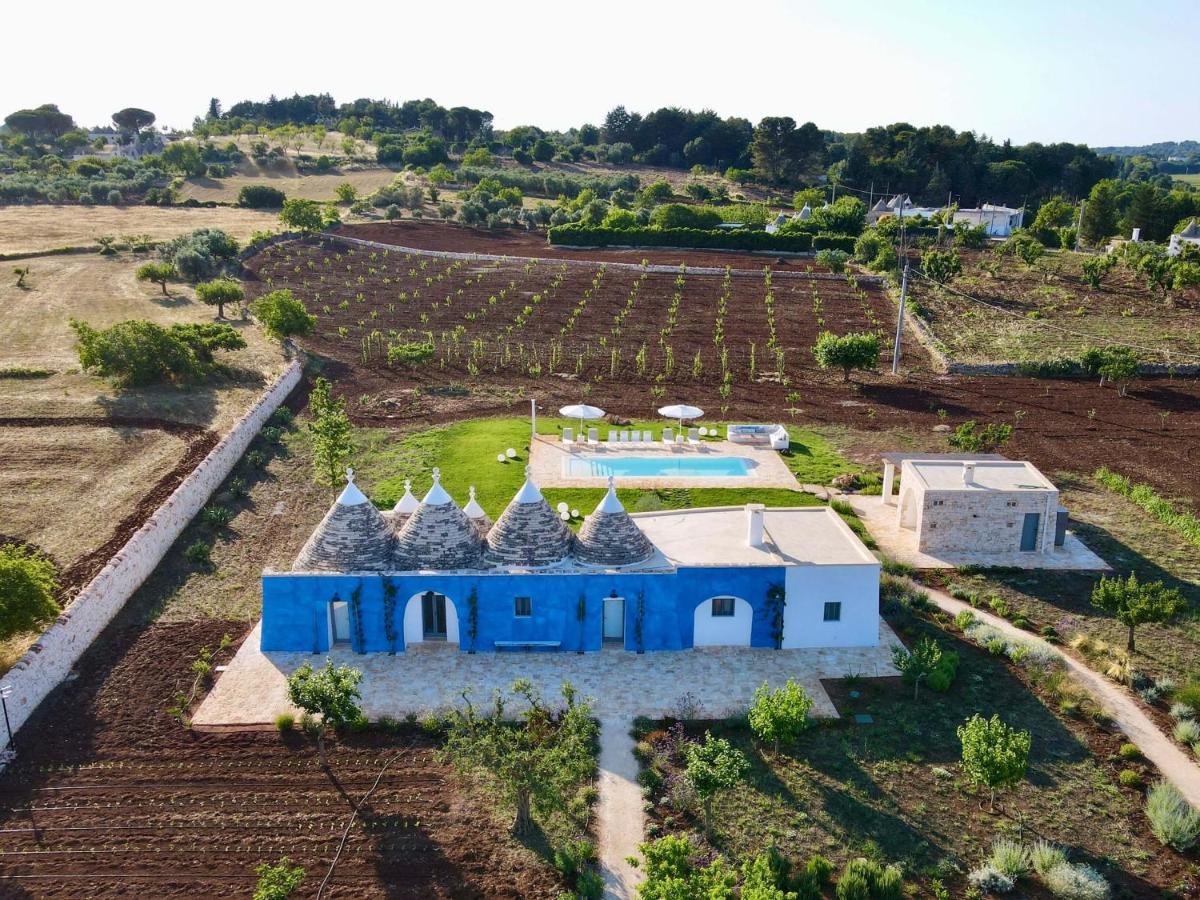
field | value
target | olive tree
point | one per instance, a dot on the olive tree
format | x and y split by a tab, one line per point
218	293
846	352
282	315
1132	603
537	762
302	215
27	587
330	692
158	272
941	266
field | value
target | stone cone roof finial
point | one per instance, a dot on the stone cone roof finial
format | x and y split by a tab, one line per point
610	537
475	513
353	537
438	534
529	532
405	507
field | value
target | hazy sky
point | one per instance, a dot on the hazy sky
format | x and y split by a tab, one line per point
1102	72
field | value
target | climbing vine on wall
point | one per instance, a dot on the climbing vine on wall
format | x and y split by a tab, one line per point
356	619
389	614
639	622
776	600
473	617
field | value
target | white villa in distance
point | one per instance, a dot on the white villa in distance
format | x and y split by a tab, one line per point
974	502
997	221
1189	235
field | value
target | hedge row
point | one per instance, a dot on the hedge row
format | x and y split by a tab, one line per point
577	235
826	241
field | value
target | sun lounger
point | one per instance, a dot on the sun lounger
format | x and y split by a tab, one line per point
568	436
694	437
647	438
624	437
593	436
668	436
612	436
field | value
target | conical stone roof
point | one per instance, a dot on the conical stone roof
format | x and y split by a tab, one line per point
529	532
437	535
610	537
478	518
353	537
405	507
1192	230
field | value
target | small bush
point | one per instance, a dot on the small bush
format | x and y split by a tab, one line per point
410	354
1010	858
277	882
27	586
285	722
964	620
1187	731
1181	711
989	881
1129	751
261	196
1172	819
199	552
1044	856
1130	778
217	516
1078	882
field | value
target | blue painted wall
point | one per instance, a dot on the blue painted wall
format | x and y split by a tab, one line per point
295	607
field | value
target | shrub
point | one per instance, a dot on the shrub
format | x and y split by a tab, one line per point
1187	731
865	879
989	881
217	516
1180	711
970	438
27	586
835	259
964	620
650	236
1078	882
994	755
198	552
137	352
277	882
780	715
285	722
1130	778
410	354
1010	858
1172	819
261	196
1129	751
1044	856
282	315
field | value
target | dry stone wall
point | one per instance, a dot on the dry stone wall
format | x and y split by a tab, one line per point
51	659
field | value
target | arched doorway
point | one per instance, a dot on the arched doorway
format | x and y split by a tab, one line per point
722	621
430	616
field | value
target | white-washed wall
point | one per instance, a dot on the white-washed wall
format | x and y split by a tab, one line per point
49	661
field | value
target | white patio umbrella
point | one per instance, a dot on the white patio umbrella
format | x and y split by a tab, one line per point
681	411
581	411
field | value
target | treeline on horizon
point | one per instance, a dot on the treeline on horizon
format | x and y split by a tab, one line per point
929	163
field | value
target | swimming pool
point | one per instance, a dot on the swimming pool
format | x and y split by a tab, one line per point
675	466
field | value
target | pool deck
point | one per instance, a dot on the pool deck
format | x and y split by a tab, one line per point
767	469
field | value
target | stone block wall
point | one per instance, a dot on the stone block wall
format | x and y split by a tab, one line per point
50	660
983	521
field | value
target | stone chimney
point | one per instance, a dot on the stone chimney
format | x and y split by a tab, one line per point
754	524
968	473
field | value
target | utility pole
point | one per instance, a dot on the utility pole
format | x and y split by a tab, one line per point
900	320
871	197
1079	224
532	420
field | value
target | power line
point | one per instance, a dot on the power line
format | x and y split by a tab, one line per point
1168	354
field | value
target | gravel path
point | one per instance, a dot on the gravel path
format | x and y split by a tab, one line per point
1174	764
619	817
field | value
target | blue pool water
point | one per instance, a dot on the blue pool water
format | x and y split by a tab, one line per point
681	466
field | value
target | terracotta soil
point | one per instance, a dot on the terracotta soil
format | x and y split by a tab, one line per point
464	239
75	575
1060	425
111	797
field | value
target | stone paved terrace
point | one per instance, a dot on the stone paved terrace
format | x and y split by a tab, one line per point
901	545
252	691
546	456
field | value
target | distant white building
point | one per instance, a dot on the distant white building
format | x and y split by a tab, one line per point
1189	235
998	221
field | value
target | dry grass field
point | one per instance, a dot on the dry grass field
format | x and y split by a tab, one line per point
36	229
366	179
35	333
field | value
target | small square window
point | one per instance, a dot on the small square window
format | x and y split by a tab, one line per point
523	607
833	611
722	606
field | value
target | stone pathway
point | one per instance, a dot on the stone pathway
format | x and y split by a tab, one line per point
428	677
619	817
1174	764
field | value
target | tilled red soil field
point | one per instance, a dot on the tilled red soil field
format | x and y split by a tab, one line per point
111	797
446	236
487	362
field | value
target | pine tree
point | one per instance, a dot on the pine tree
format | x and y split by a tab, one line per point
1100	213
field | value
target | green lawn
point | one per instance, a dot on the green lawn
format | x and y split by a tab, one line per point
1192	178
466	453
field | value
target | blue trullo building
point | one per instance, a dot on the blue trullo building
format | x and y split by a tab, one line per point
430	571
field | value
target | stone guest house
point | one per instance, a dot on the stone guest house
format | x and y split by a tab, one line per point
431	571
